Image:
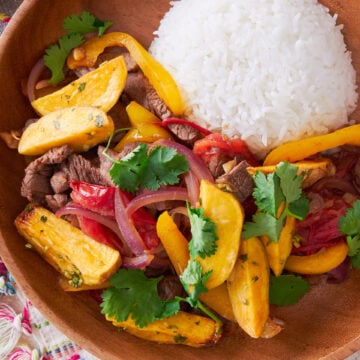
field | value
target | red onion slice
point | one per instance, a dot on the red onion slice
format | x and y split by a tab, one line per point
196	164
77	210
33	78
127	227
193	187
151	197
137	262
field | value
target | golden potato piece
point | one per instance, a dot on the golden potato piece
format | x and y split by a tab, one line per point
183	328
248	287
75	255
100	88
79	127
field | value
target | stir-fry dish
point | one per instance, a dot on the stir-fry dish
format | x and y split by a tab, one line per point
176	228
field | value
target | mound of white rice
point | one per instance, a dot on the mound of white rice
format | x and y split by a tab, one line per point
268	70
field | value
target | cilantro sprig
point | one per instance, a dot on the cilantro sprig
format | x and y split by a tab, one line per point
148	169
287	289
76	26
134	295
350	226
281	188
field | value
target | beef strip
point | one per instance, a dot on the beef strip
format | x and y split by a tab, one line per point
78	168
36	183
169	287
138	88
185	134
238	180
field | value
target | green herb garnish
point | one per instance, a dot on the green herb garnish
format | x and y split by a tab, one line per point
350	226
56	55
287	289
162	166
281	188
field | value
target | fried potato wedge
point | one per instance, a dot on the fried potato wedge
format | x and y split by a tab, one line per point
100	88
80	127
183	328
248	287
75	255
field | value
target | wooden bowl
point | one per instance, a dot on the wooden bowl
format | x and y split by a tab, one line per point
325	323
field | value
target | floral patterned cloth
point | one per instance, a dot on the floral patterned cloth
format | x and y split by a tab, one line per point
24	333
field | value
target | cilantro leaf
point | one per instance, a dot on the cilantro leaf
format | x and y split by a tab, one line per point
140	169
165	166
271	192
287	289
263	224
267	193
135	295
290	182
56	55
129	171
203	231
350	226
194	281
85	23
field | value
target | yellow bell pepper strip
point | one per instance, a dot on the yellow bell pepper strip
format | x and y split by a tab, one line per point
312	170
223	209
278	253
158	76
174	242
183	328
176	247
301	149
318	263
248	287
146	127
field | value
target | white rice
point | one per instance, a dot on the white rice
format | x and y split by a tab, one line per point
268	70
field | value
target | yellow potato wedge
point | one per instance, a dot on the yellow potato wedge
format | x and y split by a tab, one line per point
100	88
319	263
65	284
248	287
75	255
228	215
312	170
278	253
183	328
80	127
218	300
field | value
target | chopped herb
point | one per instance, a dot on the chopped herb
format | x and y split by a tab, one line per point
139	168
272	191
81	86
179	339
287	289
43	218
350	226
99	121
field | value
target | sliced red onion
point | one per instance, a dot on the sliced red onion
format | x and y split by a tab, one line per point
179	210
127	227
339	274
196	164
193	187
33	78
137	262
73	209
151	197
